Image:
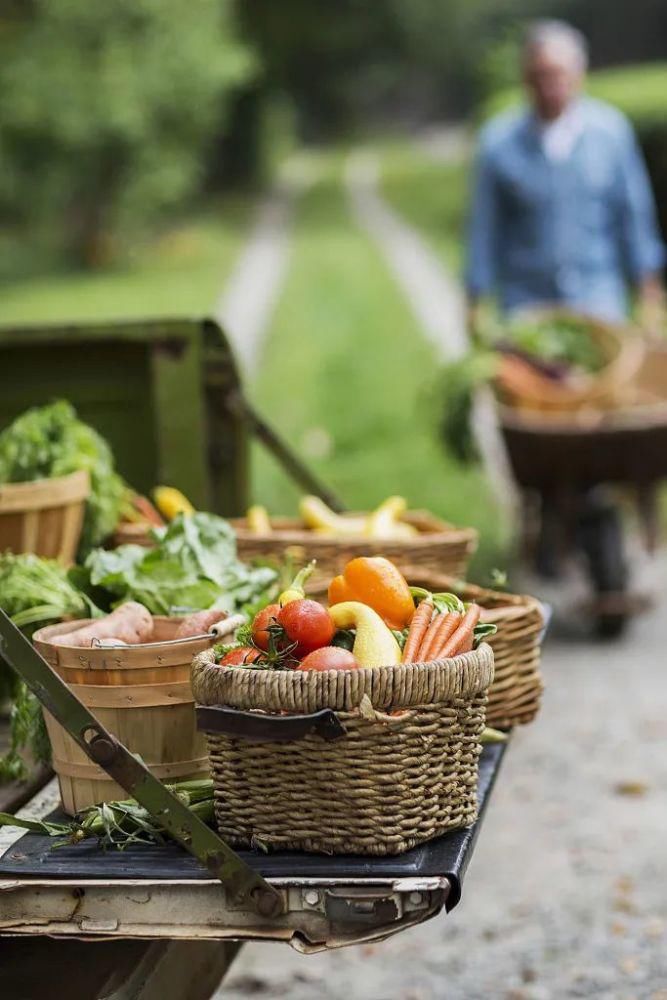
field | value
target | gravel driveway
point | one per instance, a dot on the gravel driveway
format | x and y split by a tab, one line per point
566	895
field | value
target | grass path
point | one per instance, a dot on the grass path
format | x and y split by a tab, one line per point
346	374
430	194
177	274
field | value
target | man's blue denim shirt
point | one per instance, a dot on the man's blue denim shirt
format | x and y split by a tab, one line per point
575	231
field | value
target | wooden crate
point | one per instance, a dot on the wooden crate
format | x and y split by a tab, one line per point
159	391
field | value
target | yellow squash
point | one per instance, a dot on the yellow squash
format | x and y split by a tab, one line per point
374	644
257	519
319	517
171	502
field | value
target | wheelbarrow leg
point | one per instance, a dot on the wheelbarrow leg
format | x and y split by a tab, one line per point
600	537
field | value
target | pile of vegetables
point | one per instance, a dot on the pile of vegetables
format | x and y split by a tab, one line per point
561	340
193	566
385	522
121	824
50	441
557	345
374	619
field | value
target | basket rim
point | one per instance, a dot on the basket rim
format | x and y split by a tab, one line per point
405	685
188	645
37	494
432	531
474	592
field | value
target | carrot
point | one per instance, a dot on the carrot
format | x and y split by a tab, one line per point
442	626
464	633
418	627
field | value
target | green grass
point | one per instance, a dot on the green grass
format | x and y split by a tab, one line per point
432	196
179	273
346	377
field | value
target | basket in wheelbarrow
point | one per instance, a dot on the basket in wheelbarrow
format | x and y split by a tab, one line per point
565	460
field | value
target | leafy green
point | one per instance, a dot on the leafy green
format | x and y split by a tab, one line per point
458	381
33	592
120	824
36	591
193	566
27	732
561	339
51	441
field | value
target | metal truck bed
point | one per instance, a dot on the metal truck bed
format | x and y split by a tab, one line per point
162	892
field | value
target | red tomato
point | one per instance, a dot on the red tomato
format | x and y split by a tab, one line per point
240	656
267	616
329	658
307	624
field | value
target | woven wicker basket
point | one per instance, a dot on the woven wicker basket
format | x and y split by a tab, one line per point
387	783
439	547
516	692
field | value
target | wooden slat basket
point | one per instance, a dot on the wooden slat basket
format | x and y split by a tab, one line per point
516	692
402	771
142	695
439	547
45	516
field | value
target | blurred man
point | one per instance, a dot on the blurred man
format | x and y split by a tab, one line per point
562	209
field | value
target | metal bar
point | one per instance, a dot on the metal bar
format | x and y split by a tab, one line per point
245	886
240	406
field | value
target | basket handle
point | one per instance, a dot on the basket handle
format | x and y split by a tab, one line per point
257	727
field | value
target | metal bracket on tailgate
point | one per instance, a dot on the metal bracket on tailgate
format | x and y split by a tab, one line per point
243	884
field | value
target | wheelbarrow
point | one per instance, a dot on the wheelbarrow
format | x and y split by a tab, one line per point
573	466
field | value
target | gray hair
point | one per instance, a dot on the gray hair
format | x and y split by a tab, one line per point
548	32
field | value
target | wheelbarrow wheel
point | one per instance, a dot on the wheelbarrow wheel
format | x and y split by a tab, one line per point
610	626
600	532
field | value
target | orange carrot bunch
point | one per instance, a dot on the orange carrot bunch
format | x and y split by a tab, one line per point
438	634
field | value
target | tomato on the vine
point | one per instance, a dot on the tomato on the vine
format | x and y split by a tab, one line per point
262	621
241	656
329	658
307	624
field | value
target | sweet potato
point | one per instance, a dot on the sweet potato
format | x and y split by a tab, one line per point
198	623
131	623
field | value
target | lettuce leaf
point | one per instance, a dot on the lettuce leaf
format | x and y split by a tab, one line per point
193	566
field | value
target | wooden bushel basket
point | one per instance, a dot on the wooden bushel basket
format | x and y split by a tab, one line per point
142	695
45	516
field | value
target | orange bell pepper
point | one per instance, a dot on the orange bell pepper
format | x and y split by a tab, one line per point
375	581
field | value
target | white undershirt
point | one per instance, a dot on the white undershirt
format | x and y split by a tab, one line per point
559	136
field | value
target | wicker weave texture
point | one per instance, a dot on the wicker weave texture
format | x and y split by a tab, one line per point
393	781
439	547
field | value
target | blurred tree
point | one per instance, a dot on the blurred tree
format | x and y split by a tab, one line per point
105	110
329	58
